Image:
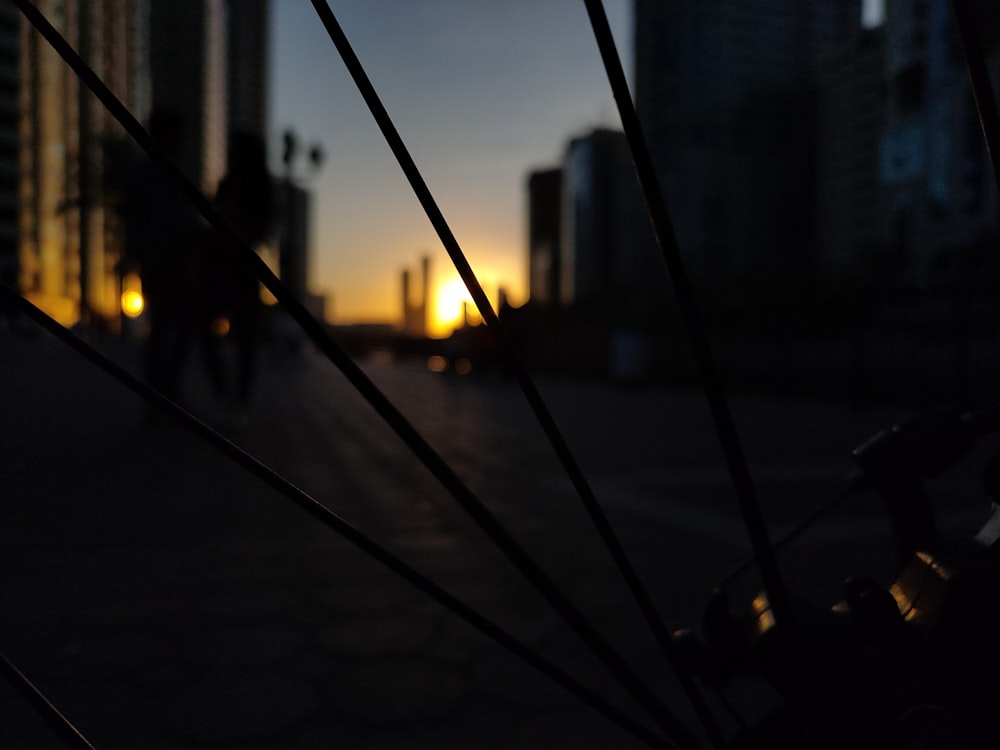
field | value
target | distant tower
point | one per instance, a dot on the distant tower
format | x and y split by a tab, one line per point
415	313
544	219
405	291
295	219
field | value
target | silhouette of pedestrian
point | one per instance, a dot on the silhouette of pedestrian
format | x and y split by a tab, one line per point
161	235
246	198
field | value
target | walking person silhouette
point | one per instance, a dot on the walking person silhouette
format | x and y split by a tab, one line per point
246	198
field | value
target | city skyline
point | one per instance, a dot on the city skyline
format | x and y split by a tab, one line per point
482	94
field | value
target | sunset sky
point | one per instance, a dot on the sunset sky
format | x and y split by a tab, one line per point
481	91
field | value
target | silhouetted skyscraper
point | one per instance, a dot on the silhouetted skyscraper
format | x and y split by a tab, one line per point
933	167
415	313
608	256
852	219
188	65
544	235
248	57
725	93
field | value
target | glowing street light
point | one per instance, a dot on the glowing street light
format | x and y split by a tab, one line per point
132	301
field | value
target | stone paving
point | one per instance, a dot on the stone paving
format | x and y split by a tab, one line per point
163	598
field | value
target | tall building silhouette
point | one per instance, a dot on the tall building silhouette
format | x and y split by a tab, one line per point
415	313
793	141
209	62
188	60
607	253
248	58
725	92
933	168
851	215
544	233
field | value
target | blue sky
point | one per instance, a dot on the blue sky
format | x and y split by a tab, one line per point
481	91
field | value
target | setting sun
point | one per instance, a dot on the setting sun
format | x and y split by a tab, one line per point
448	299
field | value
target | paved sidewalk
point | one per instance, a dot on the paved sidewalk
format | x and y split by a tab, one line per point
163	598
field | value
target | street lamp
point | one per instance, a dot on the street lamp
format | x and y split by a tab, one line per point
132	301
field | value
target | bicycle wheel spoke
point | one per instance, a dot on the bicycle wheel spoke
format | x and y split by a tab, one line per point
718	405
979	77
42	705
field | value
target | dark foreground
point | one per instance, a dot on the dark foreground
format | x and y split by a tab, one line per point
162	598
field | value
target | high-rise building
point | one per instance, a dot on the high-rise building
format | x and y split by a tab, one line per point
169	54
247	66
933	169
544	231
188	68
110	38
851	217
805	137
415	313
67	235
724	91
608	256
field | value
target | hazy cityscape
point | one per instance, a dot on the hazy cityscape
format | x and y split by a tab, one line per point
829	197
825	174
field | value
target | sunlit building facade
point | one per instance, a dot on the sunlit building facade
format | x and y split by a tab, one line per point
61	152
68	236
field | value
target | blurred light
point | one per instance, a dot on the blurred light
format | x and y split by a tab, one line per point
451	298
266	297
872	13
437	363
270	257
463	366
132	301
220	326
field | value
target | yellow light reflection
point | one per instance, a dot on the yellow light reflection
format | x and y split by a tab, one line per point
762	611
220	326
266	297
437	363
